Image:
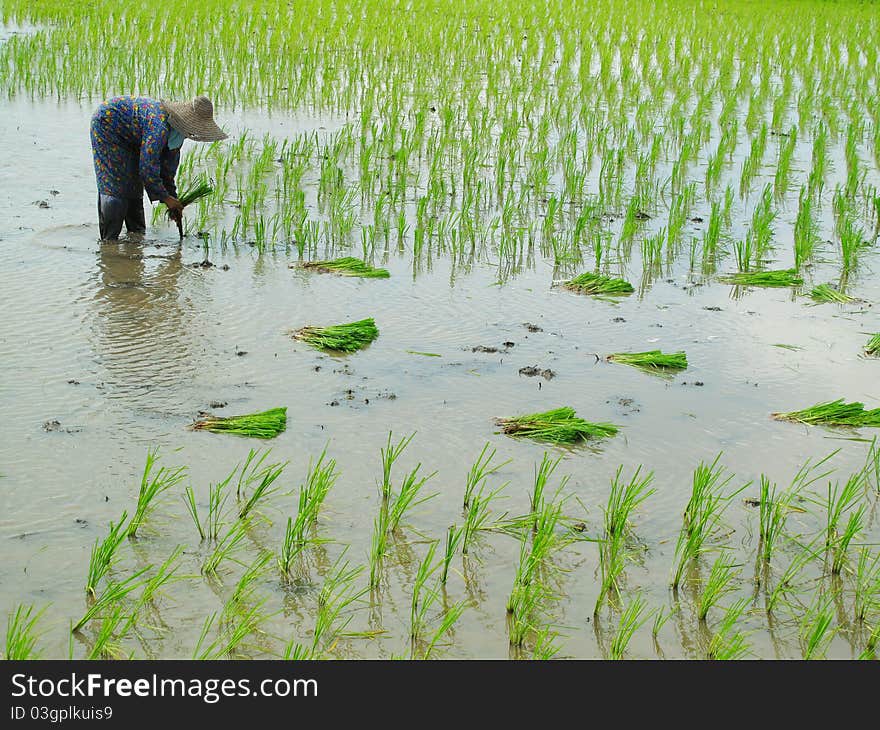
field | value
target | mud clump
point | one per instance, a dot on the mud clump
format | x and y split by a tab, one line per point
490	349
532	327
55	426
533	370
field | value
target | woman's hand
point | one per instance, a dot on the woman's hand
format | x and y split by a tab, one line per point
175	209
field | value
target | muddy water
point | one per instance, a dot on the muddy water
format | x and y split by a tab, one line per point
111	349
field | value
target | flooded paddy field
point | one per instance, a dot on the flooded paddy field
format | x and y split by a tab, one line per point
485	158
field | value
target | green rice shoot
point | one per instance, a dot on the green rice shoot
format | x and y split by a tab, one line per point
833	413
340	337
559	425
264	425
777	278
588	283
347	266
653	361
873	346
827	293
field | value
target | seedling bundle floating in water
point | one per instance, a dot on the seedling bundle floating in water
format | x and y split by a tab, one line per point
653	361
781	277
560	425
873	346
347	266
588	283
834	413
827	293
265	425
340	337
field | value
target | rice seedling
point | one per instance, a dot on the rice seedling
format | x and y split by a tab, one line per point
265	425
113	629
560	426
389	455
378	546
104	554
347	266
833	413
210	525
827	293
454	537
481	470
450	617
774	508
631	620
151	488
720	583
408	497
702	516
478	517
232	636
816	631
872	347
852	243
612	562
787	581
652	361
871	643
227	547
243	592
779	278
660	619
537	501
189	500
320	478
727	642
166	573
338	594
524	607
544	646
264	487
588	283
21	633
842	541
419	604
347	338
113	594
866	585
804	231
624	499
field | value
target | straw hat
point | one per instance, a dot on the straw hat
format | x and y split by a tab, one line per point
194	119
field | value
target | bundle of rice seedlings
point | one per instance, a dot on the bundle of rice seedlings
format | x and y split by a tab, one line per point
588	283
781	277
340	337
347	266
873	346
652	361
197	190
827	293
265	425
559	425
834	413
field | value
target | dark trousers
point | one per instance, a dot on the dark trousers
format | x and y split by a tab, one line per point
113	212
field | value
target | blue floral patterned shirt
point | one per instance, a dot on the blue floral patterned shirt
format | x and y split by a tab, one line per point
130	148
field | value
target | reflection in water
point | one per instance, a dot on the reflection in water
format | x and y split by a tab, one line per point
140	326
